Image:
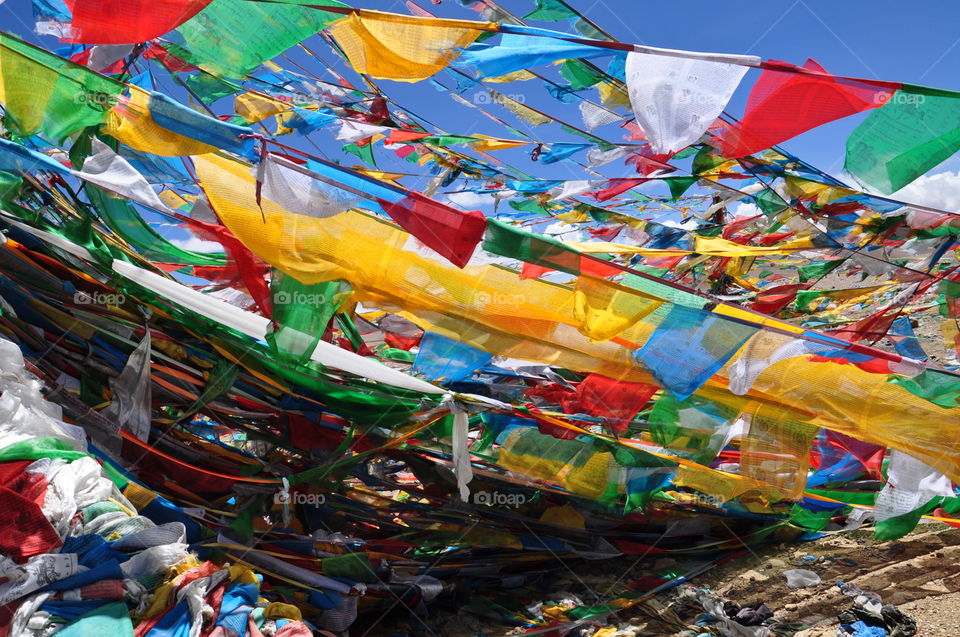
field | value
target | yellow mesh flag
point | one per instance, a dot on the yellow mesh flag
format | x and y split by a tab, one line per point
525	113
399	47
572	464
612	95
777	451
487	143
726	487
713	246
131	123
491	308
255	107
605	309
517	76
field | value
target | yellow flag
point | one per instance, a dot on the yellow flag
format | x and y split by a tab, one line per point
399	47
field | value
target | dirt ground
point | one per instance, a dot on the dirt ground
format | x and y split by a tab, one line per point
920	574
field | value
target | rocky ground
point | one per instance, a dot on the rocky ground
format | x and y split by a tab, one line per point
920	574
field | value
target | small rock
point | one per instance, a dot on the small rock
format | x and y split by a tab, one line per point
897	598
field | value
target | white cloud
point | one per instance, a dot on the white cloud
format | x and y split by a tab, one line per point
196	244
469	200
747	210
564	232
941	191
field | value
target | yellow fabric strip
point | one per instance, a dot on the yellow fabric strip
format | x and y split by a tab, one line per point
404	48
130	123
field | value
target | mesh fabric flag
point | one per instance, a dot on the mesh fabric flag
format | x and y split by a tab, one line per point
689	346
451	233
296	189
399	47
301	313
129	21
446	360
517	51
911	134
230	38
619	401
42	93
784	104
904	339
551	11
676	100
187	122
605	309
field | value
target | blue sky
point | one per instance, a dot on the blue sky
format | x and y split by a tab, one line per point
909	42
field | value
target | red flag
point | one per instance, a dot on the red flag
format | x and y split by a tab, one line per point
774	299
452	233
129	21
784	104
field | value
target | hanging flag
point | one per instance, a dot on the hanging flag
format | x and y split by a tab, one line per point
675	100
128	21
187	122
43	93
618	401
915	131
551	11
689	346
295	188
447	361
517	51
450	232
400	47
783	104
230	38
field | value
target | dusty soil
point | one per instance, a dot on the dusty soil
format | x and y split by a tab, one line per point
920	574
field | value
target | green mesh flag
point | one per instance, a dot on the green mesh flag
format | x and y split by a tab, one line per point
579	75
301	313
810	520
508	241
663	291
36	448
230	38
551	11
769	202
911	134
705	160
124	219
355	566
9	187
679	185
939	388
448	140
817	269
896	527
210	88
694	429
45	94
365	153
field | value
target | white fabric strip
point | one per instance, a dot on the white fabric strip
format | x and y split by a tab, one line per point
255	326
